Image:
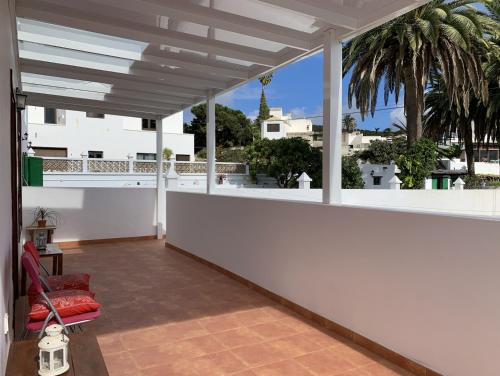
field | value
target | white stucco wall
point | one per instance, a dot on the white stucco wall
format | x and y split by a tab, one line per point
95	213
425	286
6	63
116	136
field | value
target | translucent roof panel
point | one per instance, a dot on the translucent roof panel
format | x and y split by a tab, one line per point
156	57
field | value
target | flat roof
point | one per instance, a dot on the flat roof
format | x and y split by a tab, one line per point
152	58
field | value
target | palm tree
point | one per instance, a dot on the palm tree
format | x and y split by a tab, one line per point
402	53
263	108
348	123
481	119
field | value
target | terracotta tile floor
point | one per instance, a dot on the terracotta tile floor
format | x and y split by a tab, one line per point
165	314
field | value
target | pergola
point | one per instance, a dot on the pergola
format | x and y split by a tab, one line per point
152	58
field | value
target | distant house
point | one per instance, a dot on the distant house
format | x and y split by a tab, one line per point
284	126
356	141
377	176
69	134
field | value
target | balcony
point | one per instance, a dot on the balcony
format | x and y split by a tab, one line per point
167	314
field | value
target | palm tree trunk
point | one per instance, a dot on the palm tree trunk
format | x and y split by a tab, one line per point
469	146
413	108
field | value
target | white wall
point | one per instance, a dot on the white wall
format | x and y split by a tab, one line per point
6	63
95	213
117	136
481	203
425	286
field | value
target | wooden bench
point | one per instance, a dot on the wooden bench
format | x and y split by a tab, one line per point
84	351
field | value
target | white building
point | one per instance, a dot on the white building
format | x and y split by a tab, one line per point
356	141
64	133
377	176
284	126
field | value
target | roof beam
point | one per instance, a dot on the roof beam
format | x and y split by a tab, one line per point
107	98
117	79
39	52
53	12
48	82
331	14
41	102
74	40
185	11
59	101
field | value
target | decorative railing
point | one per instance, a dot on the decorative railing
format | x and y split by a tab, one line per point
85	165
62	165
102	165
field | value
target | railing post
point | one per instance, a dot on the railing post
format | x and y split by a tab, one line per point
210	142
332	119
395	183
85	162
160	182
172	176
459	184
130	163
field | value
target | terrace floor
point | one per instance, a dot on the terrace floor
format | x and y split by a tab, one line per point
166	314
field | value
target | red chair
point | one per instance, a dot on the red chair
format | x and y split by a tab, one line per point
74	281
67	307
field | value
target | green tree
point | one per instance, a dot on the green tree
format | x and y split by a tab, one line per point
285	159
384	152
417	163
167	153
402	53
351	174
232	127
263	107
348	123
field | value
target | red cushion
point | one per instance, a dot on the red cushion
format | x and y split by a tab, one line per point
66	302
76	281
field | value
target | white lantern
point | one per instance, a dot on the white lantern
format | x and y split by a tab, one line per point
53	352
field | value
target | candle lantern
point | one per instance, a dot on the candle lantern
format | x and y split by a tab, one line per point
53	352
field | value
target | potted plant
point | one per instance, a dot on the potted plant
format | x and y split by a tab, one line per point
42	215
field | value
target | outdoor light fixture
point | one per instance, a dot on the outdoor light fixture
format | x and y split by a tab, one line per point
20	99
53	352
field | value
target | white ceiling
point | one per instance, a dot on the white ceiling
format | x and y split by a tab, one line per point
151	58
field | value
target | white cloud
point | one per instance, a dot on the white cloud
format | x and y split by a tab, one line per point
298	112
242	93
398	116
253	115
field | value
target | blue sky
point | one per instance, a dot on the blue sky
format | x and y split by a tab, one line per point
298	89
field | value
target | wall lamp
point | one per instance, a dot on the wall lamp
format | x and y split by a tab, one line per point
20	99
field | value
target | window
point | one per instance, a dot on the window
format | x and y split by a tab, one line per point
182	157
95	154
148	124
146	156
273	127
50	116
377	180
50	152
94	115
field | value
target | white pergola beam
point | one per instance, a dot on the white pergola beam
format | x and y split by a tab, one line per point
58	13
33	82
41	102
106	98
332	119
58	55
120	81
316	9
74	40
185	11
153	112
